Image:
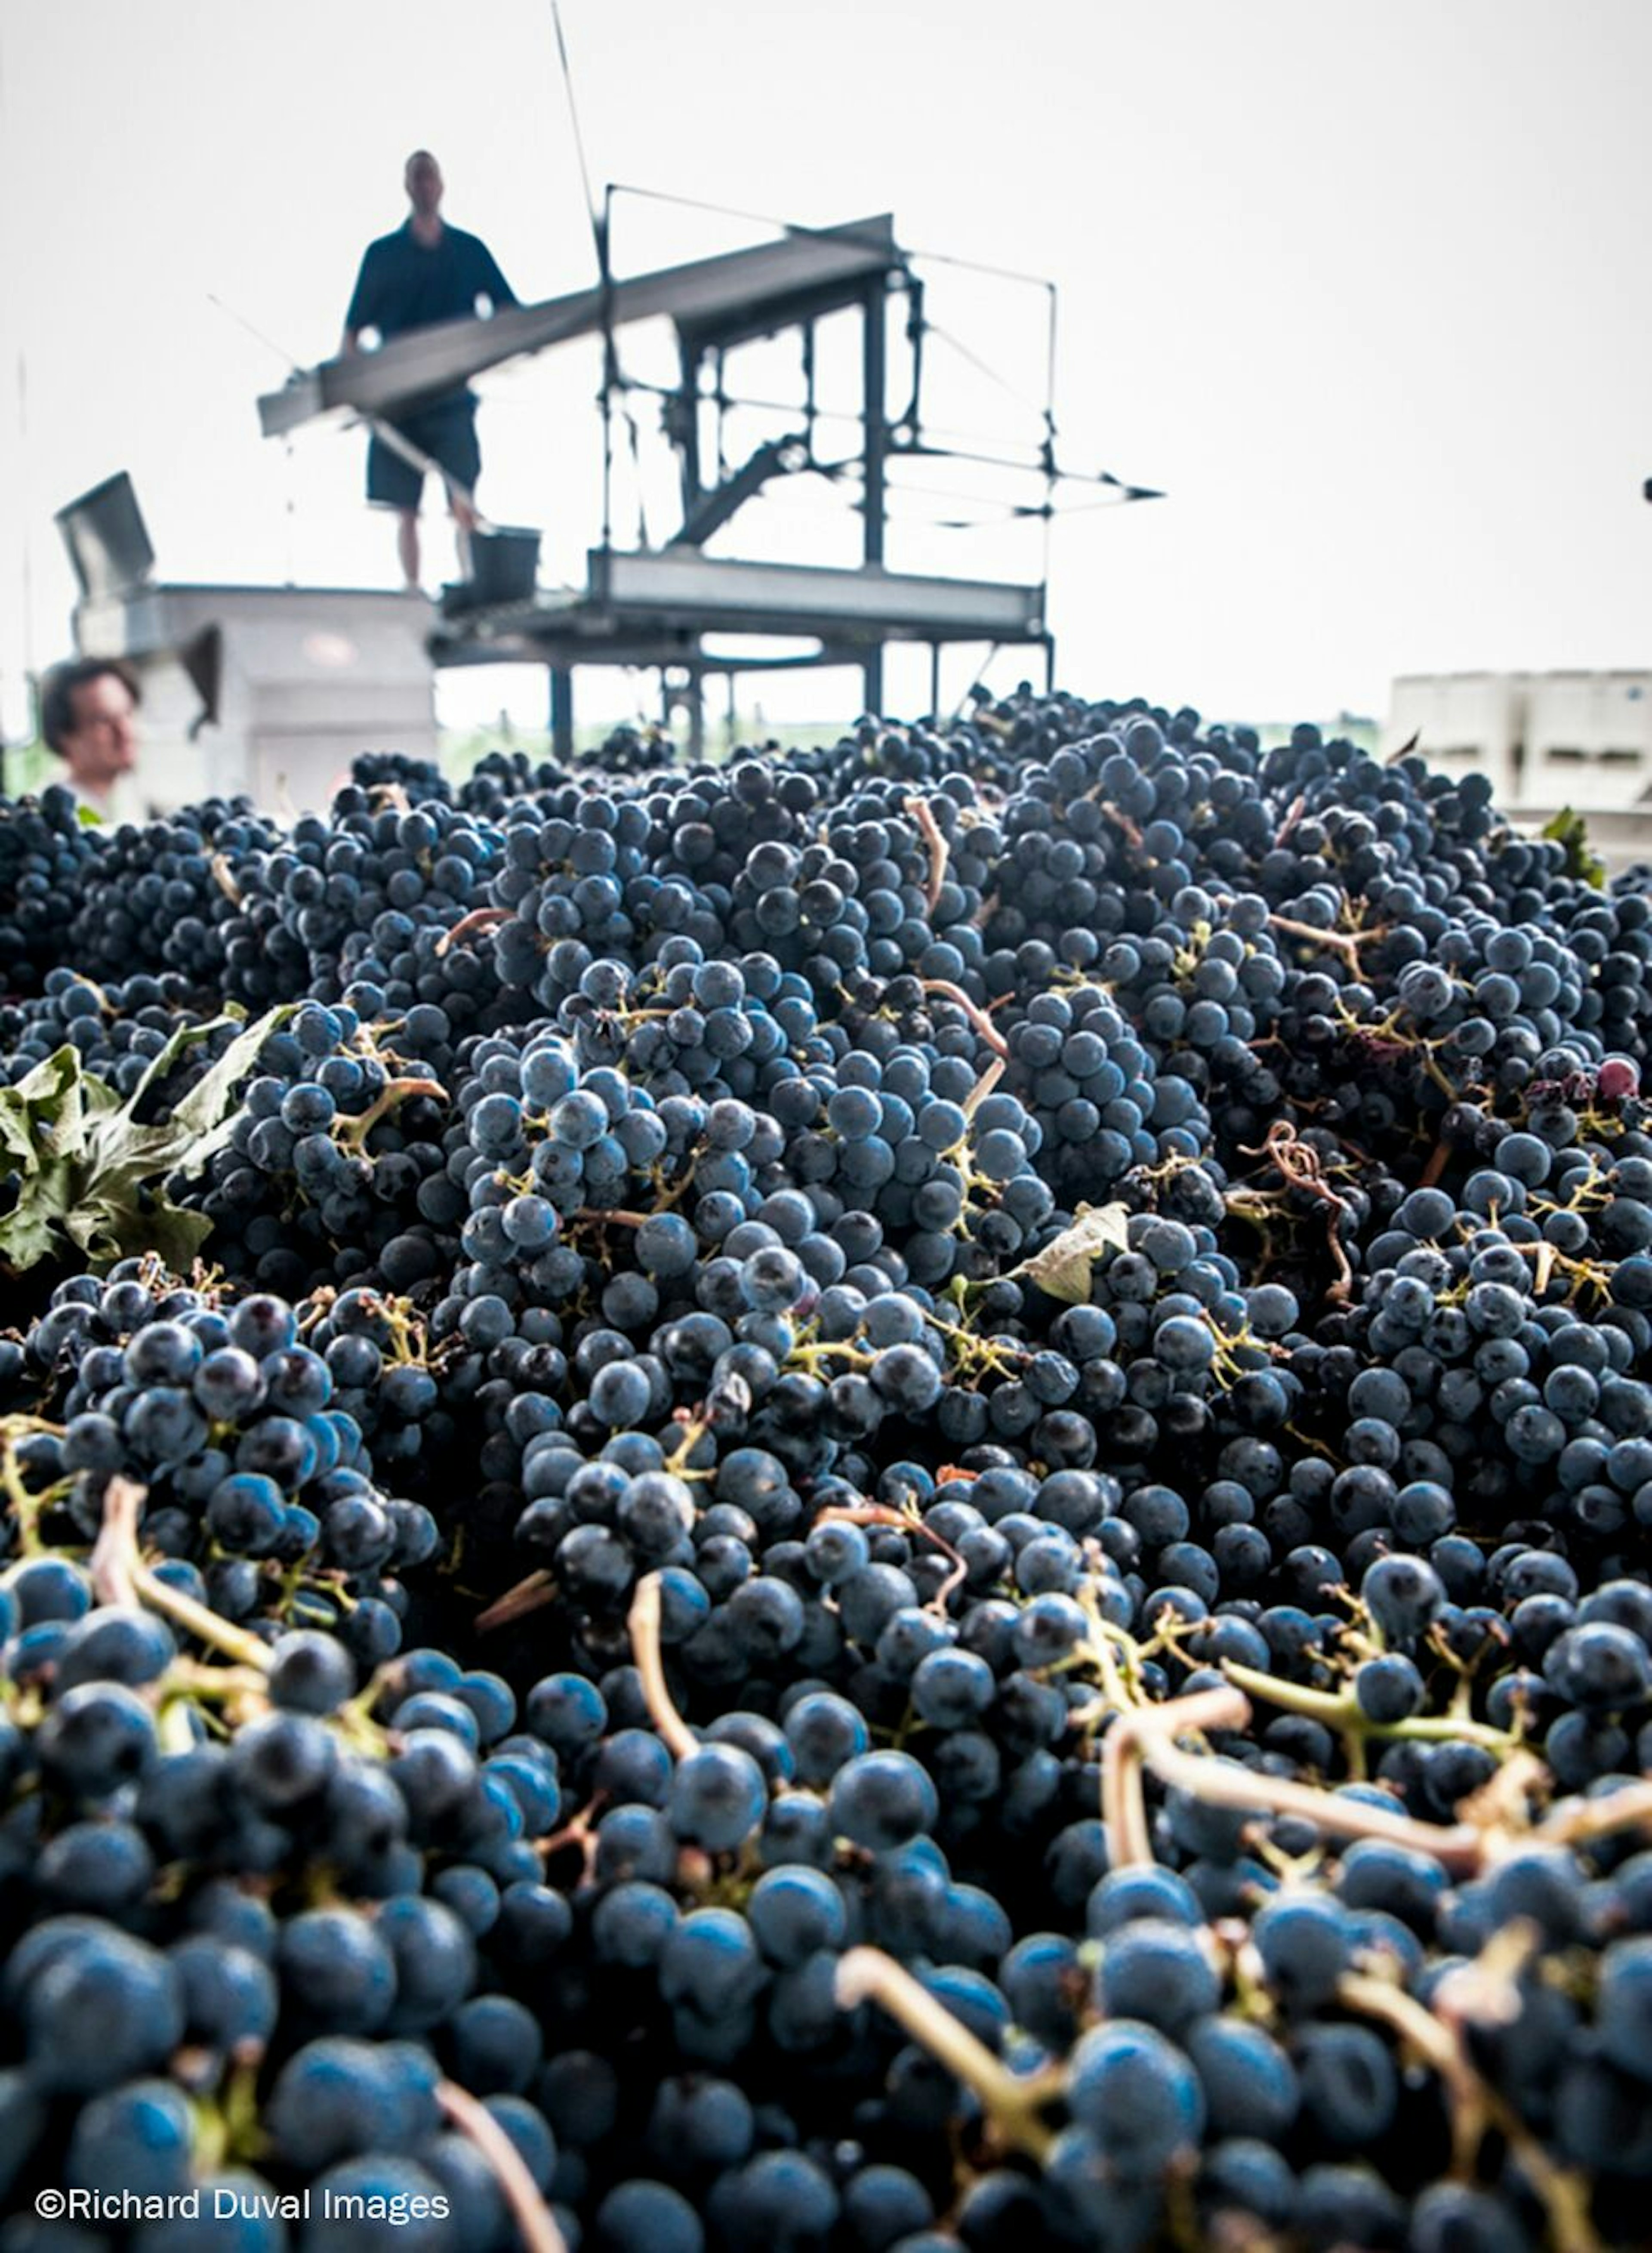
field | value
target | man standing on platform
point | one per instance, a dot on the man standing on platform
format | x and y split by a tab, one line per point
425	272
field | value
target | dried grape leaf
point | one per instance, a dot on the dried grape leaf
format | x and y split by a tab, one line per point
1062	1270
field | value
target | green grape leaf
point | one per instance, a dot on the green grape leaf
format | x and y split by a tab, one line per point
110	1225
89	1174
1569	828
202	1121
29	1232
210	1106
15	1140
45	1113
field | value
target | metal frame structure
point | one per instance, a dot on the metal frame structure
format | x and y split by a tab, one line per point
655	609
655	606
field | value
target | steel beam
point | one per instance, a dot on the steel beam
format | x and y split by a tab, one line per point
446	356
811	598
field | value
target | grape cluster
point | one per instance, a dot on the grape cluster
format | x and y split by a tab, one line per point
163	892
903	1507
47	857
119	1029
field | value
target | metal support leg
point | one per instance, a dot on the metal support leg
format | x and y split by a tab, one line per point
874	380
695	700
874	383
935	682
562	711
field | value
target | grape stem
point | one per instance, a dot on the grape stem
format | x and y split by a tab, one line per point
1342	1711
644	1625
1298	1164
1439	1160
353	1131
882	1513
528	1596
973	1010
1434	2043
1142	1736
120	1576
806	1357
532	2217
1150	1730
193	1682
866	1974
478	919
983	1086
26	1508
579	1830
1116	815
1345	943
1575	1821
1124	1812
930	830
223	879
1476	2106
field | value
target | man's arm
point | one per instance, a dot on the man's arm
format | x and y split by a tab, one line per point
490	280
364	301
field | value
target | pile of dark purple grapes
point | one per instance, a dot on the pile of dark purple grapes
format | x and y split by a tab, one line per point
905	1505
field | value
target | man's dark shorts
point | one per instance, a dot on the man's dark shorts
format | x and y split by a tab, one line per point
446	432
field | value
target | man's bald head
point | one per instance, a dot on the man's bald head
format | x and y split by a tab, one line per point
421	177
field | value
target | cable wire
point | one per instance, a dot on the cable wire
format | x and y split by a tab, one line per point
598	229
794	226
945	337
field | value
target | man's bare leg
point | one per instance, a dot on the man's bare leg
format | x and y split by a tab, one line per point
408	547
463	525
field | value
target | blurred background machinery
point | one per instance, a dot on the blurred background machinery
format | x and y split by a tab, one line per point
1548	742
267	690
796	359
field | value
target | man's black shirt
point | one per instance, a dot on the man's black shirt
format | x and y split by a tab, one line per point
406	284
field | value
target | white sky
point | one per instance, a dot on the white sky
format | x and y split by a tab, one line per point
1363	288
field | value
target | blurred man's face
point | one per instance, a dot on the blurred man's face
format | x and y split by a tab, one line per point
423	181
102	744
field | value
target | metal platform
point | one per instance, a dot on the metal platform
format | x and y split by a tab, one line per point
656	608
759	290
681	588
658	604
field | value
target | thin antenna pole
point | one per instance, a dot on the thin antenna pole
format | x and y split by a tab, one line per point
290	463
28	545
597	223
23	498
609	375
600	220
289	480
1050	469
